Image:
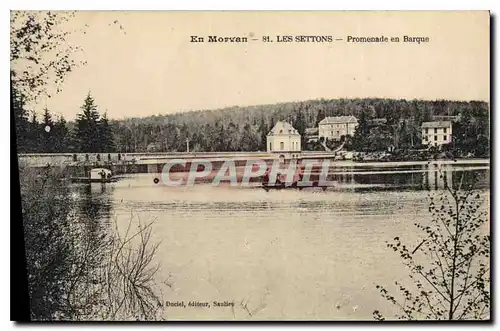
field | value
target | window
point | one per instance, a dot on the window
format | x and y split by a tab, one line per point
119	157
338	133
74	158
426	130
435	130
444	138
282	145
444	130
435	138
86	157
270	146
425	138
98	157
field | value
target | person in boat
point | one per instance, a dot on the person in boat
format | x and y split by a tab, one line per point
265	177
297	177
280	179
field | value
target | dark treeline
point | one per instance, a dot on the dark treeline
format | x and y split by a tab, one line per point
90	132
402	131
245	128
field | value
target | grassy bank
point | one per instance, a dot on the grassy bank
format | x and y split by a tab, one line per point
79	268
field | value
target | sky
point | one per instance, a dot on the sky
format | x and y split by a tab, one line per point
150	67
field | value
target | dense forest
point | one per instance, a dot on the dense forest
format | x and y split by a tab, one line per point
90	132
245	128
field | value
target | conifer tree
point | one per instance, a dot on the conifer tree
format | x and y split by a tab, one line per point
61	136
87	127
106	137
33	135
362	131
20	119
263	129
46	130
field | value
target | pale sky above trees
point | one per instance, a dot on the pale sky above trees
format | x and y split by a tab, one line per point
144	64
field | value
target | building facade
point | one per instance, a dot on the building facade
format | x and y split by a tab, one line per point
334	128
436	133
283	137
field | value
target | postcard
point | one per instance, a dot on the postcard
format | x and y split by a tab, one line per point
253	165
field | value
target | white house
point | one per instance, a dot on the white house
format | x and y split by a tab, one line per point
436	133
335	127
283	138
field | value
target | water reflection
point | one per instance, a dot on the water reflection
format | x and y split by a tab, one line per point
427	177
93	200
316	247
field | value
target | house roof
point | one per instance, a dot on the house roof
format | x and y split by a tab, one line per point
283	128
436	124
339	119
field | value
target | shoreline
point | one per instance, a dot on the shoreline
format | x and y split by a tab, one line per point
239	162
408	163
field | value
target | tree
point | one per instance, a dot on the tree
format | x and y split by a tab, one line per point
263	130
406	118
321	115
70	275
449	267
175	143
40	54
183	134
77	268
40	58
300	126
87	127
61	136
47	133
21	120
39	51
247	141
362	130
379	138
231	137
33	134
48	242
471	132
106	137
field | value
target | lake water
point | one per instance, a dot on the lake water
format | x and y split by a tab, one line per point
289	254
